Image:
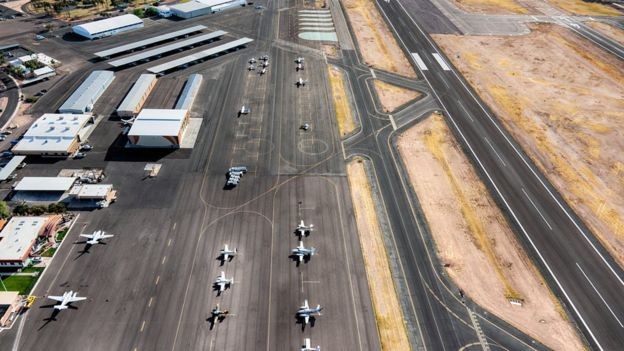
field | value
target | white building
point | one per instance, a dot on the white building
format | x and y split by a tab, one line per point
136	97
18	238
196	8
55	135
87	94
108	27
42	189
158	128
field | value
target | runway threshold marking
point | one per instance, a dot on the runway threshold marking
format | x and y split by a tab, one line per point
419	62
599	295
537	209
441	61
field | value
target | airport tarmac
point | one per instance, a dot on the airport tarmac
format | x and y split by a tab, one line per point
150	286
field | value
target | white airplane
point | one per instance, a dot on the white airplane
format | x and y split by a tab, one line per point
251	68
265	64
96	237
252	60
300	82
306	312
262	71
67	298
299	67
264	57
226	253
244	110
299	60
302	252
222	282
307	347
302	229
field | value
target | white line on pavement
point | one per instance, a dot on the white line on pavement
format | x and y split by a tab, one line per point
441	61
419	62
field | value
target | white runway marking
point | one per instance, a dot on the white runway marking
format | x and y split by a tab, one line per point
493	149
419	62
538	211
441	61
373	74
599	295
394	126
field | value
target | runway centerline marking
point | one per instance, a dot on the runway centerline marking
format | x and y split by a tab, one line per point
599	295
169	242
496	152
142	326
537	209
465	111
149	304
441	61
163	260
157	280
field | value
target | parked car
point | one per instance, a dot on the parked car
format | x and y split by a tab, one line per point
79	155
2	137
6	154
6	132
86	147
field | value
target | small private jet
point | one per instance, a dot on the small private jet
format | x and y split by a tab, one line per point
222	283
300	82
66	299
304	230
303	252
225	254
305	312
96	237
299	60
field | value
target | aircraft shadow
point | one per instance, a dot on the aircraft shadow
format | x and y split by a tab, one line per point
301	320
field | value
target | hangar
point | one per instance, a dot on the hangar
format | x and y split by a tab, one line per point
108	27
83	98
55	135
17	239
136	97
202	7
191	88
158	128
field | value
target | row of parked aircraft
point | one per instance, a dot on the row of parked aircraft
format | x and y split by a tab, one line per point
72	296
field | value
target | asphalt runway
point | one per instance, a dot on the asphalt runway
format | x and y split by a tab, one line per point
150	286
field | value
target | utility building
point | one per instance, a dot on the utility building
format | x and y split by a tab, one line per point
17	239
191	88
108	27
158	128
132	103
55	135
83	99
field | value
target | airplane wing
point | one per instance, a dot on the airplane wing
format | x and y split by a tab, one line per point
88	236
105	236
56	298
76	299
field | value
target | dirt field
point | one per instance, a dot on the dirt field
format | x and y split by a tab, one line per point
377	45
3	103
610	31
563	100
580	7
388	313
474	239
344	115
391	96
491	6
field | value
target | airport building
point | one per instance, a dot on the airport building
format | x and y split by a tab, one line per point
134	100
87	94
17	239
191	88
108	27
158	128
55	135
196	8
10	305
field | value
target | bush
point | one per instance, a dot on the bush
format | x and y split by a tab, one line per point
151	11
37	210
4	210
59	207
20	210
139	13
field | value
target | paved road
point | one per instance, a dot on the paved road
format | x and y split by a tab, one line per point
11	91
577	267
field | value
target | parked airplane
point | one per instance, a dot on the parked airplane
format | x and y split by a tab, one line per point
222	282
299	67
302	252
305	127
244	110
264	57
300	82
65	300
251	68
217	313
306	346
265	64
252	60
262	71
226	254
299	60
304	230
96	237
305	312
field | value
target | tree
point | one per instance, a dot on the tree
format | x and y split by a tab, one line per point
20	210
138	12
4	210
37	210
151	11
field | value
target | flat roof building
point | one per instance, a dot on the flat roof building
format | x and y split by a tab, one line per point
17	239
52	184
190	9
134	100
158	128
108	27
83	98
191	88
54	135
9	307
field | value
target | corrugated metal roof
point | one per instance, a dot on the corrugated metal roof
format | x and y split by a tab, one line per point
212	3
185	102
150	41
105	25
52	132
199	55
167	48
135	94
6	171
45	183
189	6
88	92
161	122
